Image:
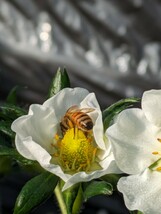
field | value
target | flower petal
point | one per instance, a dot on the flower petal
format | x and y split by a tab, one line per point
142	192
65	99
23	149
40	124
34	151
133	140
151	105
91	102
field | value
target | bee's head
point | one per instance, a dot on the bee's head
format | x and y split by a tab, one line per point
87	126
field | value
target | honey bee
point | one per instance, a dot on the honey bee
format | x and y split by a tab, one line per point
77	117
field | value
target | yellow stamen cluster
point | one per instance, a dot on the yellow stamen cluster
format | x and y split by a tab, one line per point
75	151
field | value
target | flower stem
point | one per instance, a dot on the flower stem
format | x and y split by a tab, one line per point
60	200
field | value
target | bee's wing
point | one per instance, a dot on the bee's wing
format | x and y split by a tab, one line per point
86	110
73	109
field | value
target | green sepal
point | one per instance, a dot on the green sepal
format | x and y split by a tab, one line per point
136	212
73	199
78	201
60	81
35	191
10	112
113	110
5	128
97	188
112	179
12	153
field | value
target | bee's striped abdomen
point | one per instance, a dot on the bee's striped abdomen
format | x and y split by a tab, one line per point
77	119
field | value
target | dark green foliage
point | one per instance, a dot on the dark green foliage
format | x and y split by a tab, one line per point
60	81
113	110
97	188
35	192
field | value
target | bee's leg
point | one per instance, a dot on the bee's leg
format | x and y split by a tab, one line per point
89	136
55	155
90	139
56	144
70	123
56	141
56	136
75	132
94	154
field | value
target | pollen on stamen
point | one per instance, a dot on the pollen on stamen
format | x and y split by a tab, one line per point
155	153
159	139
76	150
158	169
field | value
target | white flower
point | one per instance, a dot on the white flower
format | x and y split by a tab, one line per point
74	156
136	142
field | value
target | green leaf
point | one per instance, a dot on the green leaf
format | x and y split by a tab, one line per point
97	188
11	152
4	141
109	113
35	191
12	96
112	179
5	127
8	113
60	81
11	112
5	165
